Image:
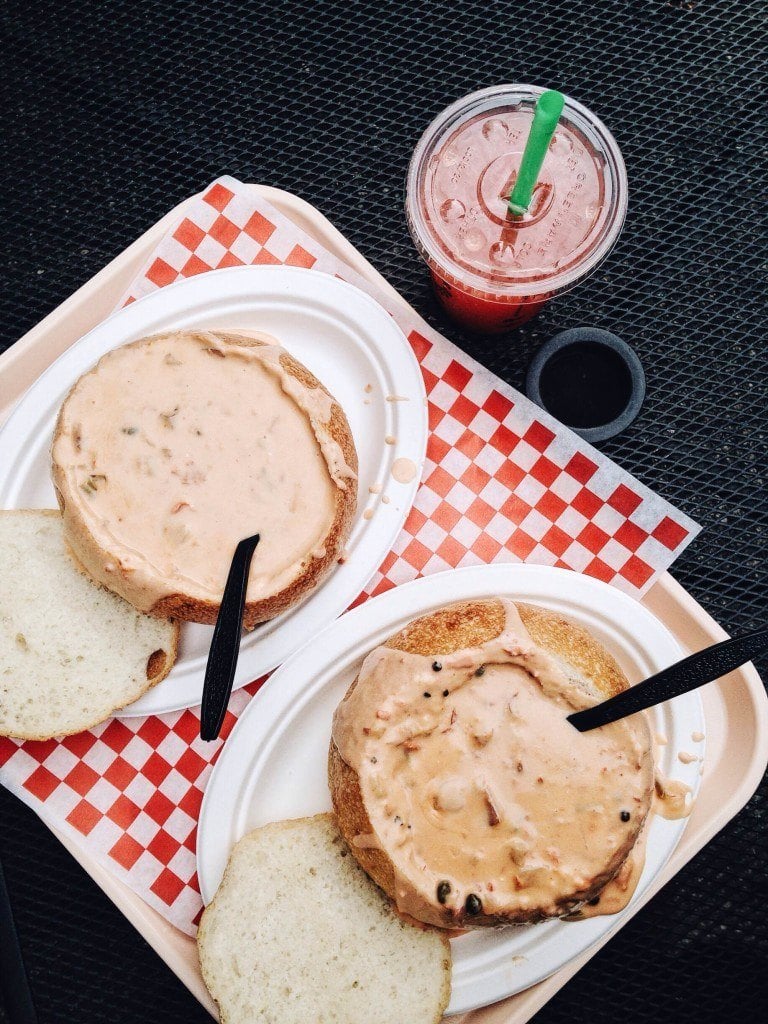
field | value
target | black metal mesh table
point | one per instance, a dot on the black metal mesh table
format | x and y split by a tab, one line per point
114	112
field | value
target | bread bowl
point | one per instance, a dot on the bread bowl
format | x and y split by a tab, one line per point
297	933
175	447
458	782
71	652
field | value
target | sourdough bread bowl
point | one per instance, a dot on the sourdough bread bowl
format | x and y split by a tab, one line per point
458	782
173	448
298	933
71	652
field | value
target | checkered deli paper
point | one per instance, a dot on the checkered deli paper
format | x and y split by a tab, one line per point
503	482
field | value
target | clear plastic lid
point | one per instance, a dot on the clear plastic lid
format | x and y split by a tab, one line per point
463	170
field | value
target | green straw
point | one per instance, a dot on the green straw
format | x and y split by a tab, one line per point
546	114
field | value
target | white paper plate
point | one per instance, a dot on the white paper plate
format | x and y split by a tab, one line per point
348	341
273	766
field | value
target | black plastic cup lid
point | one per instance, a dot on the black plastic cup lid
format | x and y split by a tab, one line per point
588	379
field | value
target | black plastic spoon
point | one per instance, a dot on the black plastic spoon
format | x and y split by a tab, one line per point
225	646
685	675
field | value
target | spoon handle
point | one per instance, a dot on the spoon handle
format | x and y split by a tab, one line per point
685	675
225	645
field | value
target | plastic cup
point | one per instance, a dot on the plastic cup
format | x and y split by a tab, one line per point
492	270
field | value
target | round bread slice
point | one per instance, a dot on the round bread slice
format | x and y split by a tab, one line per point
175	447
71	653
298	933
458	782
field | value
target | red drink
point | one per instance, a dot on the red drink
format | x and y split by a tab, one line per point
492	270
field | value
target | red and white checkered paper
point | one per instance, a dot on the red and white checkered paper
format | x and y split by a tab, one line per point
503	482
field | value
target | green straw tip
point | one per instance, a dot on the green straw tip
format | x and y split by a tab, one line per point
551	104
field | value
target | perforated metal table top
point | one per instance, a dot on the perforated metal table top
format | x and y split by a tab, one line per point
114	112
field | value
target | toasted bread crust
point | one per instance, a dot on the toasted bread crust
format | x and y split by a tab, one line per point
450	629
191	609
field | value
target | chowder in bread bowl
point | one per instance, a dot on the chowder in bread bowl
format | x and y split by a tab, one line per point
461	787
175	447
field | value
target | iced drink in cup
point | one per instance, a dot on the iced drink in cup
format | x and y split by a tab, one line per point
493	270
